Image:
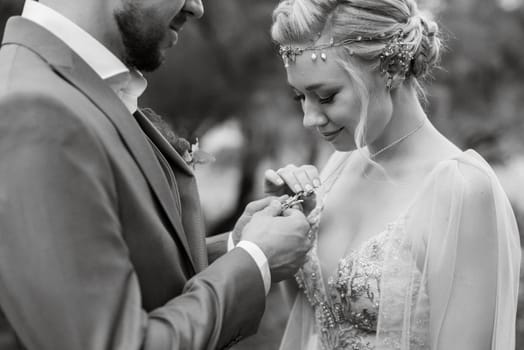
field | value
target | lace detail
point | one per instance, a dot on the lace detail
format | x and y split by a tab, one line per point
347	307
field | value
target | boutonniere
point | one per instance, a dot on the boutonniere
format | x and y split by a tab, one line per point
194	155
191	153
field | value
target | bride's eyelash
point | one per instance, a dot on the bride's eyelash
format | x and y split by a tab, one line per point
301	97
328	99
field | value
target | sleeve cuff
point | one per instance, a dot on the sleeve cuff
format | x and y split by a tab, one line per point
260	259
230	243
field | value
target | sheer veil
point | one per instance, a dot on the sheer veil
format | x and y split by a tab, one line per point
451	268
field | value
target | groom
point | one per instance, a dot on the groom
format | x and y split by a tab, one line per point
101	234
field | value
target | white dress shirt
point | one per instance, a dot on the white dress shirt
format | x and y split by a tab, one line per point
128	85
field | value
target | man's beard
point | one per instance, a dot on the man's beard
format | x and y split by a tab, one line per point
141	39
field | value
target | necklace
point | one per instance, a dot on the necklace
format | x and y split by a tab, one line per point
299	197
396	142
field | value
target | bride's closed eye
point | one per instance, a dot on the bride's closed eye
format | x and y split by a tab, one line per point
328	99
300	97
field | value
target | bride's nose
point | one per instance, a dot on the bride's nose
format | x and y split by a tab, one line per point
194	8
313	116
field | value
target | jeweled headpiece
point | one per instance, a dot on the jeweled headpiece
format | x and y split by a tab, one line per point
395	58
290	53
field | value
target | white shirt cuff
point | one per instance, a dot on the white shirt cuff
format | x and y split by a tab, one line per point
230	243
260	259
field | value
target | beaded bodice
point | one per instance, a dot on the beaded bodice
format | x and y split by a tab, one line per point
347	306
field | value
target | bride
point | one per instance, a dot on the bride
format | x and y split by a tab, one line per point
415	243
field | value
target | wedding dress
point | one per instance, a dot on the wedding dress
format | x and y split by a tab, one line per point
407	286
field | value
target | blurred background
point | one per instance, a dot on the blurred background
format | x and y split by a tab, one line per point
224	84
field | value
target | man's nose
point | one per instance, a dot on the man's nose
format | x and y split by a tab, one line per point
194	8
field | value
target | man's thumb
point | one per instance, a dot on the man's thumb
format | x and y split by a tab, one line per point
273	209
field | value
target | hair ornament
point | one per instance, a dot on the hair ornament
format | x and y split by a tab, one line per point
396	59
289	53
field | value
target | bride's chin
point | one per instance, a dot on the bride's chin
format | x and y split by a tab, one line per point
343	144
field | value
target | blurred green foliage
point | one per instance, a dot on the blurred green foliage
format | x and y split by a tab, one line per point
225	67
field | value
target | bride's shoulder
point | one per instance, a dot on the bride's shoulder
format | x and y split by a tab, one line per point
462	189
466	177
467	167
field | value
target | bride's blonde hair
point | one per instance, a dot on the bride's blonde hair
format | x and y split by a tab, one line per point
304	21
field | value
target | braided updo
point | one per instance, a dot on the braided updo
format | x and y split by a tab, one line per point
301	21
401	42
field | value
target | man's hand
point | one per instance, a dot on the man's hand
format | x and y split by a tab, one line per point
251	209
283	239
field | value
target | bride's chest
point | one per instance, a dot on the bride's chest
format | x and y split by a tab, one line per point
348	301
347	296
352	215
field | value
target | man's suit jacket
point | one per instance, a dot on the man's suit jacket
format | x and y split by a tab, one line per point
98	250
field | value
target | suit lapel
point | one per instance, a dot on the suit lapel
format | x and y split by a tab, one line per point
74	70
186	190
163	144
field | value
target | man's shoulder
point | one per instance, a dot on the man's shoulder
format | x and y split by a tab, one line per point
35	107
22	72
32	94
38	113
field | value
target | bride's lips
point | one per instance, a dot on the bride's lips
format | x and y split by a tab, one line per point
331	135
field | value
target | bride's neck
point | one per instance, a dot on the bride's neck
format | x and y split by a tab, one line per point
402	134
419	151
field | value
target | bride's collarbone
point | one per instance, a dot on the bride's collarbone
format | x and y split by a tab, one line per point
353	216
357	208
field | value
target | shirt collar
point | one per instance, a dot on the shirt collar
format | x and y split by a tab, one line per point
128	85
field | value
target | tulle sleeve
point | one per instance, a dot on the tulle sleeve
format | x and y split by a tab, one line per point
450	278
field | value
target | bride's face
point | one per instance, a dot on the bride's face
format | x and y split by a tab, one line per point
330	98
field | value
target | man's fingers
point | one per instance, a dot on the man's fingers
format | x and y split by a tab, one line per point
273	209
293	212
258	205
